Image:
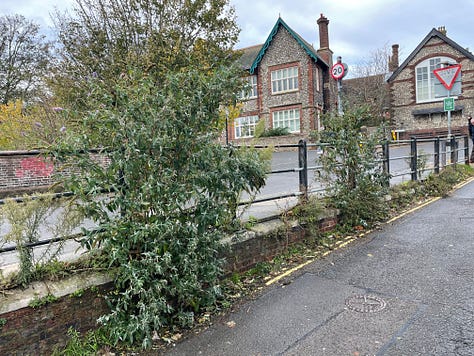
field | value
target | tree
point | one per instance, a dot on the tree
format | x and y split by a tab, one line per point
146	80
103	38
369	87
175	189
351	170
36	126
25	56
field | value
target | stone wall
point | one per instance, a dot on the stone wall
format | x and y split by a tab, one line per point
285	51
403	93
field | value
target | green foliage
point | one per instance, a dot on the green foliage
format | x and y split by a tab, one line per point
435	185
251	222
92	343
421	162
101	38
77	294
354	178
442	183
26	219
309	213
3	322
277	131
175	190
52	270
25	58
38	302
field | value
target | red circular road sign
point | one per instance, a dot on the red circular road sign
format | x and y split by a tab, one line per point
337	71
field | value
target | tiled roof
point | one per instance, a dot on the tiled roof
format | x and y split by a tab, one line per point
248	56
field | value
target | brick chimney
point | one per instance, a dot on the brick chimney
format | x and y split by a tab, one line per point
393	59
442	29
324	52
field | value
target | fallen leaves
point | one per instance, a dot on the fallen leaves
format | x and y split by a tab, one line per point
231	324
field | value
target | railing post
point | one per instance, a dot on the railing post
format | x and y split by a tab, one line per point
466	150
436	155
454	151
386	159
303	165
414	159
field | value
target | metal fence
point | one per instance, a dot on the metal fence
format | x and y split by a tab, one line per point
442	152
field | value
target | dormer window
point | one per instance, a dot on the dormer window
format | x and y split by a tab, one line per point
428	87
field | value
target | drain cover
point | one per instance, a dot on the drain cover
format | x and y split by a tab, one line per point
365	303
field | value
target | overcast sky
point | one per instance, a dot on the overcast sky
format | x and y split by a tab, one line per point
356	27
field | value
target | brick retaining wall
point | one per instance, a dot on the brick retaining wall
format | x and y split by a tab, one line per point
29	331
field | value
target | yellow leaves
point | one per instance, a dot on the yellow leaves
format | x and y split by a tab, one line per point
34	127
229	113
12	122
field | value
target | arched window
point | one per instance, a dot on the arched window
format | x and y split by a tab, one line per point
428	87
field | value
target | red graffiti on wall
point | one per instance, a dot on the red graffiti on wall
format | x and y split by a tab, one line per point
34	167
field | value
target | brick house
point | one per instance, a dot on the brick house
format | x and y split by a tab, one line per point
289	81
417	95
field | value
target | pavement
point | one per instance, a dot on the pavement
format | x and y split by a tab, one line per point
405	289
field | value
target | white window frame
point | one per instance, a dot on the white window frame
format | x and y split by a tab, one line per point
285	80
290	118
318	78
251	91
244	126
425	80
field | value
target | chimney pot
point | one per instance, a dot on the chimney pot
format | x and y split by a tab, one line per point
393	60
324	51
442	29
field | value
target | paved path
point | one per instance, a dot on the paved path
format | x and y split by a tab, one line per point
407	289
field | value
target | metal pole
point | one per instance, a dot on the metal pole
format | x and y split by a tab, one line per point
386	159
340	111
414	159
436	155
454	151
303	165
449	117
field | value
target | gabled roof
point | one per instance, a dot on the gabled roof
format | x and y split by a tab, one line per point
433	33
259	51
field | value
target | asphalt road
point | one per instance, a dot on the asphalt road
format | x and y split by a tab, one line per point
276	184
406	289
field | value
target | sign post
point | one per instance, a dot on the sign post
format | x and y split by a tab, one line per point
338	71
447	76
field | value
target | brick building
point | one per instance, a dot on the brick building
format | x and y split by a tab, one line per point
417	95
289	81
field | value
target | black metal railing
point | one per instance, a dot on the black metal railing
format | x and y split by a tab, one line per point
442	148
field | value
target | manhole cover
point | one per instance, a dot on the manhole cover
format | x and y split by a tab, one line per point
365	303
